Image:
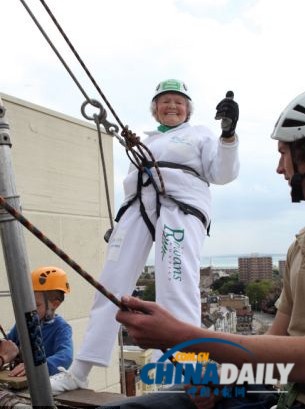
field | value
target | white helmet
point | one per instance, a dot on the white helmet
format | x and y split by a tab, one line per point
172	85
291	124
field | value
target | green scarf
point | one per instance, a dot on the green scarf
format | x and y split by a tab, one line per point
165	128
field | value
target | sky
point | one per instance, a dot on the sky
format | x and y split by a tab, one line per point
254	47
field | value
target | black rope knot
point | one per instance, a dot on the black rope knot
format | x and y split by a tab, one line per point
130	137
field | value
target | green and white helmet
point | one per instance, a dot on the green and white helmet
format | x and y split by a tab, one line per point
172	85
291	124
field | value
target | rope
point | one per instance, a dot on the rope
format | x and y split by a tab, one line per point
26	223
104	170
131	140
139	157
64	256
55	50
3	332
72	48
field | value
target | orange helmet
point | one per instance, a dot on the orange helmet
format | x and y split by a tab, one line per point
50	278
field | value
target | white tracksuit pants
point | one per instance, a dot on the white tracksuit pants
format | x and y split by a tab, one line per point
178	244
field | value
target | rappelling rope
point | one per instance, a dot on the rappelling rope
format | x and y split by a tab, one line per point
72	48
64	256
100	141
127	138
130	139
28	225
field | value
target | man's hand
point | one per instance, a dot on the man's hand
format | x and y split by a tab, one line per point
228	111
149	325
8	350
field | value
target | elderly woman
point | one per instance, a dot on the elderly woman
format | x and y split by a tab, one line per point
189	159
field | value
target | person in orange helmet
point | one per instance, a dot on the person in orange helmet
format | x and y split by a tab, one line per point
50	284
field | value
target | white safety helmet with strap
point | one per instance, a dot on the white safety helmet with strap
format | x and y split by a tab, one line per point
291	124
290	129
172	85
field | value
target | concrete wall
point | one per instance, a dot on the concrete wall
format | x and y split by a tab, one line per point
60	181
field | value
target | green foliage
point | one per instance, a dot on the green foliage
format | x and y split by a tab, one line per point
226	285
150	292
262	293
258	291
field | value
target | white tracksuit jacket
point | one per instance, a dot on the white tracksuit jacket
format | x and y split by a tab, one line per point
179	236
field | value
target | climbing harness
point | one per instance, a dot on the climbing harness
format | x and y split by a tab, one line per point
184	207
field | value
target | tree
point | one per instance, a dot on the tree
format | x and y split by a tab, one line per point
231	284
257	291
149	293
268	304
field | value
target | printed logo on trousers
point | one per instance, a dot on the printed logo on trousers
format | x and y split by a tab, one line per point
172	250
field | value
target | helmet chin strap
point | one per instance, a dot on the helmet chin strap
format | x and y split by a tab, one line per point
296	183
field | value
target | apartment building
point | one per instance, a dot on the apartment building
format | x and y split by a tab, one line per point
236	301
254	267
282	266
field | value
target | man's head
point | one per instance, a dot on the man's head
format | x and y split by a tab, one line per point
171	104
289	130
50	284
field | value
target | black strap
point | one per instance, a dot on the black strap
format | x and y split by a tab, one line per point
189	209
148	223
186	208
163	164
123	209
138	195
172	165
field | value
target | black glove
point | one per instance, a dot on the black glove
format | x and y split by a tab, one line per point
228	111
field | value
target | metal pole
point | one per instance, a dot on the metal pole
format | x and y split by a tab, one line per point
17	267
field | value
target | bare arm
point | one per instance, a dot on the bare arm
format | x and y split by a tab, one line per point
279	325
153	327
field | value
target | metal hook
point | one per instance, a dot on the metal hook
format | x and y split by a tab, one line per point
100	117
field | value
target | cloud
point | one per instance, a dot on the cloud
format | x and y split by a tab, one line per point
254	47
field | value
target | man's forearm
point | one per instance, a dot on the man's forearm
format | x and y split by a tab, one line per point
153	327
